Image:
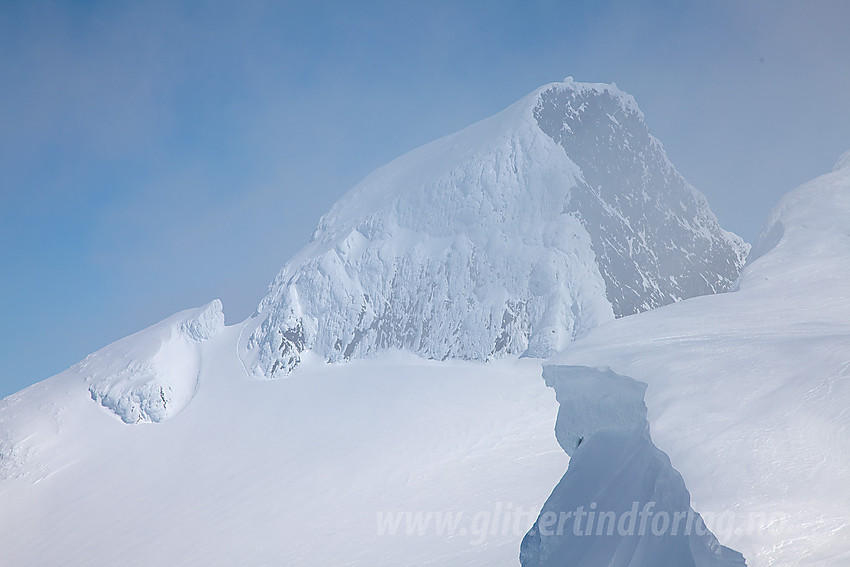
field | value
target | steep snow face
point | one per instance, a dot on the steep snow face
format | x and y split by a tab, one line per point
747	391
152	375
511	237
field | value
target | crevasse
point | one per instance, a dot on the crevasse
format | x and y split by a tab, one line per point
621	503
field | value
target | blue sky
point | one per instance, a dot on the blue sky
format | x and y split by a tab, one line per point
156	155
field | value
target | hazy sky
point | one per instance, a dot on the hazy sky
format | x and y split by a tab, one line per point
156	155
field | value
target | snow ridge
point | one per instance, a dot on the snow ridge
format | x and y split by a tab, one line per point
511	237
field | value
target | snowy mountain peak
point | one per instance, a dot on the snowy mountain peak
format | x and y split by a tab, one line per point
510	237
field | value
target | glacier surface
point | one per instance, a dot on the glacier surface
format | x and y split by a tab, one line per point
288	472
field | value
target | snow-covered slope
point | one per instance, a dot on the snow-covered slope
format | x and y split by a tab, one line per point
747	392
510	237
388	462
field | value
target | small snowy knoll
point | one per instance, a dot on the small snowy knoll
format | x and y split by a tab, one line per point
748	391
152	375
510	237
149	376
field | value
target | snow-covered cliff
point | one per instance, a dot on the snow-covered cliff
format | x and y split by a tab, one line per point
510	237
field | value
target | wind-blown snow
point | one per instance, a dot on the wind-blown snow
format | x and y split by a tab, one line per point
747	391
511	237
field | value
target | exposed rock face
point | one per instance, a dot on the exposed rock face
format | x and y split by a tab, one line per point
655	239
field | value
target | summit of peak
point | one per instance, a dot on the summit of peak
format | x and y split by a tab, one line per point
590	94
